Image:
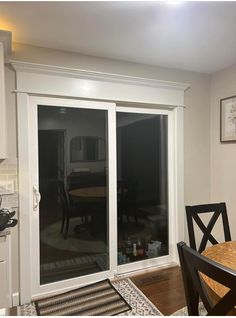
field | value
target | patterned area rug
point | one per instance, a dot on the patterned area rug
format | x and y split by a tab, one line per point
184	311
140	304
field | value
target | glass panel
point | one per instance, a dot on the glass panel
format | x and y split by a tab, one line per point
73	208
142	174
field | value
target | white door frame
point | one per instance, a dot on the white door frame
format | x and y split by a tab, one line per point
34	79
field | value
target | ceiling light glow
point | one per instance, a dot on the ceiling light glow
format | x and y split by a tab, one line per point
174	2
5	25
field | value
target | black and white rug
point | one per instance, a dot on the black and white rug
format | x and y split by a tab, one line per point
140	304
184	311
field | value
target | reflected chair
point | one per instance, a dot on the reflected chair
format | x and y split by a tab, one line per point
193	212
69	210
121	198
192	264
127	200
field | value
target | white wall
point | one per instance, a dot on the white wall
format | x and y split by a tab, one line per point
223	155
196	117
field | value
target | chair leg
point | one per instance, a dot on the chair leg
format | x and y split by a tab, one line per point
192	305
127	216
67	228
122	226
62	224
135	216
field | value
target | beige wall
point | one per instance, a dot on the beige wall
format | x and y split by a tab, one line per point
223	155
196	116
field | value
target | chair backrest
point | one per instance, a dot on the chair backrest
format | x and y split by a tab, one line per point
192	264
193	212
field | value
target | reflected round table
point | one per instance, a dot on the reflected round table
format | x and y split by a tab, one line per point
89	192
96	197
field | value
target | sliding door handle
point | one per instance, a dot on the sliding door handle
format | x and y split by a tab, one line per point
36	197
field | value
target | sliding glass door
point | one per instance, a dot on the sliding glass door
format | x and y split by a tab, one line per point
103	176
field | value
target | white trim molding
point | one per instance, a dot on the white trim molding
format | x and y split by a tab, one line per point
6	39
15	299
67	82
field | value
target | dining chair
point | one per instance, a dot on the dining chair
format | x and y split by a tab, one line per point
193	212
193	264
127	199
69	210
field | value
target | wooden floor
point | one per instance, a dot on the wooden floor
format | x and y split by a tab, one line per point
164	288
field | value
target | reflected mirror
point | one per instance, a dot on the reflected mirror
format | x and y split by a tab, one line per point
87	148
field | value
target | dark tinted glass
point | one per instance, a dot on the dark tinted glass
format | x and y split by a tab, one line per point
73	187
142	142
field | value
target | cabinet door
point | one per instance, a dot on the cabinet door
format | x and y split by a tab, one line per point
3	285
2	106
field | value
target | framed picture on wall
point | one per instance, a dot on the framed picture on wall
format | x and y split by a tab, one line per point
228	119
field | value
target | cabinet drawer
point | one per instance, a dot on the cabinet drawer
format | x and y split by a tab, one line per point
3	248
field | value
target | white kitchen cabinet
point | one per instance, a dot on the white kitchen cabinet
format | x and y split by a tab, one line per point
5	49
5	269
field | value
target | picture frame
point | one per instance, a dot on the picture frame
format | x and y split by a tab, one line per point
228	119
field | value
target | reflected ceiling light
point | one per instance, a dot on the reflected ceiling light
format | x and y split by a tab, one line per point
62	110
85	87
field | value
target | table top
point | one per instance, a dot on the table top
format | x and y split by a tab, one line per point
225	254
89	192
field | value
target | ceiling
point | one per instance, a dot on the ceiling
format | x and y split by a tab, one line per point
196	36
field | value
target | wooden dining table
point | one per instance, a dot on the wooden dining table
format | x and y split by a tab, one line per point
89	192
224	254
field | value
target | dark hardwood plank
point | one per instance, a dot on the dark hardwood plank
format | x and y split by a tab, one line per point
164	288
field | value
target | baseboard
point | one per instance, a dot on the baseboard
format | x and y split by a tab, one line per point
15	299
4	312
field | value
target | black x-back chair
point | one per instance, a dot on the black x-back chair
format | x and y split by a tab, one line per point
193	212
192	264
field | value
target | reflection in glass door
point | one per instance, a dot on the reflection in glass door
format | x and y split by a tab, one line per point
72	145
142	177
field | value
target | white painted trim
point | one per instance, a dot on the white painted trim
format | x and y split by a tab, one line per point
112	207
3	140
58	81
15	299
9	270
179	174
6	39
3	312
93	75
25	201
